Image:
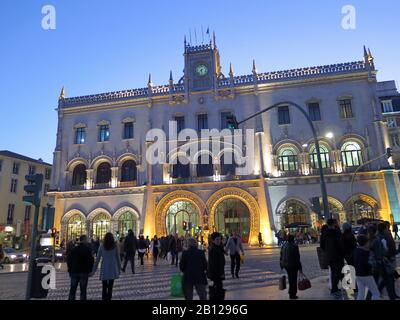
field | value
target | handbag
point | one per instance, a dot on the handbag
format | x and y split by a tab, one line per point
303	283
282	282
176	285
241	258
323	262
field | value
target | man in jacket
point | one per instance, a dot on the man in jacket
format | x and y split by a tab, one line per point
234	246
193	264
130	246
290	260
216	266
80	264
172	247
331	244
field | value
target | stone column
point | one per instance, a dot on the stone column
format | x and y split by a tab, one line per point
89	179
114	177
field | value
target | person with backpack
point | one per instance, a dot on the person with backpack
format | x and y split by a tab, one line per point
290	261
147	246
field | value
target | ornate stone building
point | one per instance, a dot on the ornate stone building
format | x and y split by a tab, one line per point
104	182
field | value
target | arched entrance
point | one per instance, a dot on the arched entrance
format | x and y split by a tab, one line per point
235	208
182	218
76	227
361	206
100	225
294	214
232	215
127	221
176	206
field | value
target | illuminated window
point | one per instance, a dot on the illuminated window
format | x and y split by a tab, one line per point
324	157
288	159
104	133
346	110
80	135
351	154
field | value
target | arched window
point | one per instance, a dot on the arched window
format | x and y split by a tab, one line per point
324	157
103	173
128	171
180	170
288	159
79	175
204	167
228	165
294	214
351	154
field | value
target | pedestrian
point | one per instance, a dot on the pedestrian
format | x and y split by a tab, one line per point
155	247
70	246
395	230
141	249
110	266
290	260
1	256
260	243
130	246
331	245
80	264
216	266
364	276
121	248
348	243
147	246
179	249
194	267
96	246
173	249
364	228
235	247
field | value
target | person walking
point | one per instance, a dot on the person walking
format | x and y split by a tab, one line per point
172	247
96	246
141	249
70	246
364	276
194	267
130	246
121	248
216	266
290	261
111	265
348	243
147	246
260	243
235	247
80	264
179	249
395	230
332	247
1	256
155	247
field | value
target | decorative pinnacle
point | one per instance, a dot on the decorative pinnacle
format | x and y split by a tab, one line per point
254	66
150	83
62	93
230	70
171	80
215	42
370	57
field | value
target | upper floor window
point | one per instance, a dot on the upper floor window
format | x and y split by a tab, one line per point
128	171
324	152
79	175
387	106
103	173
180	170
288	159
351	154
13	187
27	213
80	135
47	174
395	139
128	130
391	123
224	120
10	213
180	123
346	110
204	167
283	115
46	189
202	122
32	170
104	133
228	165
15	168
314	111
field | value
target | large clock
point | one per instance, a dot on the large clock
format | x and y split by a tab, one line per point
201	70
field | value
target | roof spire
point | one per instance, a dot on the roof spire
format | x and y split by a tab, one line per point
62	93
171	80
215	42
254	66
184	43
230	70
365	55
149	83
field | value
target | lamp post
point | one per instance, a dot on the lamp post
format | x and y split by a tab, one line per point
325	202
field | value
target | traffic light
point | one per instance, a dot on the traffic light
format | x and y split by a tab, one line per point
33	189
389	152
232	122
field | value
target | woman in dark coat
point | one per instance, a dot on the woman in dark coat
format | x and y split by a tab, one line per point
349	243
216	266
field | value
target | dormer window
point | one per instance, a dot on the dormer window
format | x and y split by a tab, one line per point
387	106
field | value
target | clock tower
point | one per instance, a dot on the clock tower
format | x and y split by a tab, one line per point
202	66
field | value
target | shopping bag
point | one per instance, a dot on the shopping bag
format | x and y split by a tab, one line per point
282	282
303	283
176	285
215	294
241	258
323	262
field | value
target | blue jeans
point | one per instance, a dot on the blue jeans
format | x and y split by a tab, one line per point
82	280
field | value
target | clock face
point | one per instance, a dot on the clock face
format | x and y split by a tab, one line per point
201	70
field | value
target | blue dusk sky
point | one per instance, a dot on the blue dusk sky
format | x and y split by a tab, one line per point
104	45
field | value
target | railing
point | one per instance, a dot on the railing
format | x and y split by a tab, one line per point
102	185
124	184
77	187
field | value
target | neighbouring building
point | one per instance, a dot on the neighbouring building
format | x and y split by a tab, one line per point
390	103
16	217
104	182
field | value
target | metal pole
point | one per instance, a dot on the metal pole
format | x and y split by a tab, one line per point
32	255
325	202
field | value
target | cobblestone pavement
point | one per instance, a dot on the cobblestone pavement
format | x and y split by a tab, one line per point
260	269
